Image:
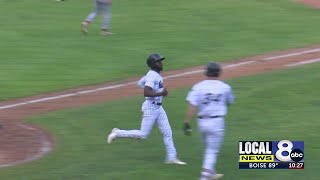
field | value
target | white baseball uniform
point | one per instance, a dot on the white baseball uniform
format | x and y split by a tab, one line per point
153	112
211	98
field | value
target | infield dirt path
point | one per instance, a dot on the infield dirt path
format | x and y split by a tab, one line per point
22	143
311	3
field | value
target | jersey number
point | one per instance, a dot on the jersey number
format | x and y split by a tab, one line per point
209	97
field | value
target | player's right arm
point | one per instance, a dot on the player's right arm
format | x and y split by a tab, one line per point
192	98
148	92
191	110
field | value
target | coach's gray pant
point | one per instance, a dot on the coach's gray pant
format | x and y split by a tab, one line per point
100	7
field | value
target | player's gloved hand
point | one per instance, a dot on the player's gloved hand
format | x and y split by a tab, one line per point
187	129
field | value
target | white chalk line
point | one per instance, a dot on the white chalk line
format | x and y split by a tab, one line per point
303	62
45	148
26	127
292	54
64	96
200	71
108	88
166	77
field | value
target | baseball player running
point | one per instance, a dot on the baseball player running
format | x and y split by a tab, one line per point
153	111
211	97
99	6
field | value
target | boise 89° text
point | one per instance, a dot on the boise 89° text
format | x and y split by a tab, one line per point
258	165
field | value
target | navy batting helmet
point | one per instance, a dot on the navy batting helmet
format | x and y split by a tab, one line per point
213	69
153	58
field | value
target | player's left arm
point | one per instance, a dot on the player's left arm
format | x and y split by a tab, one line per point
142	82
230	96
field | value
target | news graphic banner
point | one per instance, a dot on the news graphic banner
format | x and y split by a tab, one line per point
282	154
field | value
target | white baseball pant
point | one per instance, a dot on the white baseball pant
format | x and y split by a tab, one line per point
153	113
212	131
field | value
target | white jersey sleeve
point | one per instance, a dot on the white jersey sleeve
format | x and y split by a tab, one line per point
142	82
149	81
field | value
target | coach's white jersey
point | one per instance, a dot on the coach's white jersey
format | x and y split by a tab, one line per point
155	81
211	97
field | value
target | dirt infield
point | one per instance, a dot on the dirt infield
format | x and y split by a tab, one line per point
311	3
22	143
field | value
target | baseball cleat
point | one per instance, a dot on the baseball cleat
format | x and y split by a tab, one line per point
217	176
175	161
112	136
84	27
105	32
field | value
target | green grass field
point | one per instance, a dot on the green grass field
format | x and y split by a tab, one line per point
43	50
273	106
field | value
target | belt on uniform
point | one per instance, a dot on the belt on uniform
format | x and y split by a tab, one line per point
209	117
157	103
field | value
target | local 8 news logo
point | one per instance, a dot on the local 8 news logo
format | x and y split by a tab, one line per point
287	151
271	151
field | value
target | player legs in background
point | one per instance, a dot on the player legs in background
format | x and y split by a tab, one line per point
99	6
90	17
106	18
